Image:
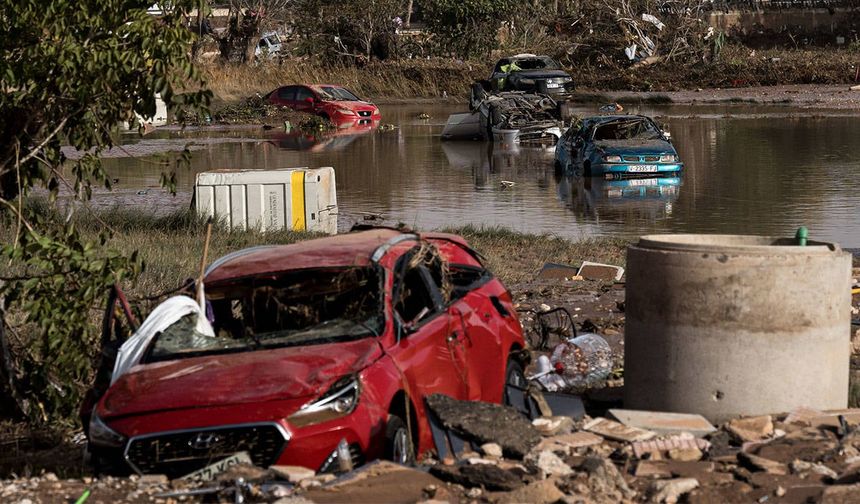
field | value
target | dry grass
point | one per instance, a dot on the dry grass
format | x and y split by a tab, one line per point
396	79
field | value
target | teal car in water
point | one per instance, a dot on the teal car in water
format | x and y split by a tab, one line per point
617	146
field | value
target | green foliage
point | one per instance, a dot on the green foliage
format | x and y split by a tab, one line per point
467	28
70	71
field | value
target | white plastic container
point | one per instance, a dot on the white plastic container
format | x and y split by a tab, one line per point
299	199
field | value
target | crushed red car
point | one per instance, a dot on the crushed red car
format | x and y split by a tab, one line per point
308	345
333	102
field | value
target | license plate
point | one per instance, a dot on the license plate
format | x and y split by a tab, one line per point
552	85
642	168
642	182
209	473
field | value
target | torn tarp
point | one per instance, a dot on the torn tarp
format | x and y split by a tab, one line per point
162	317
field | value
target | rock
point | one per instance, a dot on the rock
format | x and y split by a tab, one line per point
669	491
539	492
751	428
549	464
780	491
552	426
604	477
685	454
295	499
152	479
488	476
50	477
491	450
802	466
486	423
761	464
293	474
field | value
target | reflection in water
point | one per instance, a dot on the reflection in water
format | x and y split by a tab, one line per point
645	199
319	141
747	174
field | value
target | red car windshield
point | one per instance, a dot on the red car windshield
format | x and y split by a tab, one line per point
336	93
305	307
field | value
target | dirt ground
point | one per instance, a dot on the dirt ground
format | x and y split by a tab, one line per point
799	95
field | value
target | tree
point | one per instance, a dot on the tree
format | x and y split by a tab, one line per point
246	20
70	71
468	28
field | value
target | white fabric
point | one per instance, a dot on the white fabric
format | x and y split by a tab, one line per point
162	317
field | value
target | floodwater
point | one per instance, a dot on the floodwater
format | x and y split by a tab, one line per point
750	169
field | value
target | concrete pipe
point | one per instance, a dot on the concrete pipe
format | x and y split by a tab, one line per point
726	325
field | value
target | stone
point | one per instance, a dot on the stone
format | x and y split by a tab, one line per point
849	475
751	428
685	454
491	450
617	431
551	465
487	476
761	464
663	422
486	423
539	492
152	479
801	466
552	426
291	473
670	491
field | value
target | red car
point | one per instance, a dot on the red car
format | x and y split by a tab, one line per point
335	103
338	338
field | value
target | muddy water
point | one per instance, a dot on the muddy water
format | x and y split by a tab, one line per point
749	169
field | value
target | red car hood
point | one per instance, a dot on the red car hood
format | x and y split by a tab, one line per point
247	377
353	105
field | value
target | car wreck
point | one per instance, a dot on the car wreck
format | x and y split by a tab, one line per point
308	354
510	117
617	146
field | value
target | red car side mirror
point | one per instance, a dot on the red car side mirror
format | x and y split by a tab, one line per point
309	100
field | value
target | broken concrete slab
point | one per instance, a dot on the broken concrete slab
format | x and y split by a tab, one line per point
486	423
685	454
751	428
841	494
604	477
663	445
293	474
617	431
486	476
570	441
756	463
549	464
664	422
551	426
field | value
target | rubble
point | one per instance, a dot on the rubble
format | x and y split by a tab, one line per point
486	423
669	491
664	423
751	428
617	431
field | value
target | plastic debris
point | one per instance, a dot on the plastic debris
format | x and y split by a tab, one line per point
653	20
579	362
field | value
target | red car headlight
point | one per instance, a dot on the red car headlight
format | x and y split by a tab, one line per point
102	435
339	401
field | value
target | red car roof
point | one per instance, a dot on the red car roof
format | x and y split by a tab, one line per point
351	249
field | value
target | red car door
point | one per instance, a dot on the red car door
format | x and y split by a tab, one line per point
305	100
284	96
429	349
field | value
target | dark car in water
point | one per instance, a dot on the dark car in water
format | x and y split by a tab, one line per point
529	72
617	146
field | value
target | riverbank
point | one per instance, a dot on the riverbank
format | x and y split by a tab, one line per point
738	67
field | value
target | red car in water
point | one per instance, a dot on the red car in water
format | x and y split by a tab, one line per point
333	102
320	347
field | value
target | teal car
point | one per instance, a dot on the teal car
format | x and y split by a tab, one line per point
617	146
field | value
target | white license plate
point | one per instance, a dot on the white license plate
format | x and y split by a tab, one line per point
642	168
552	85
209	473
642	182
